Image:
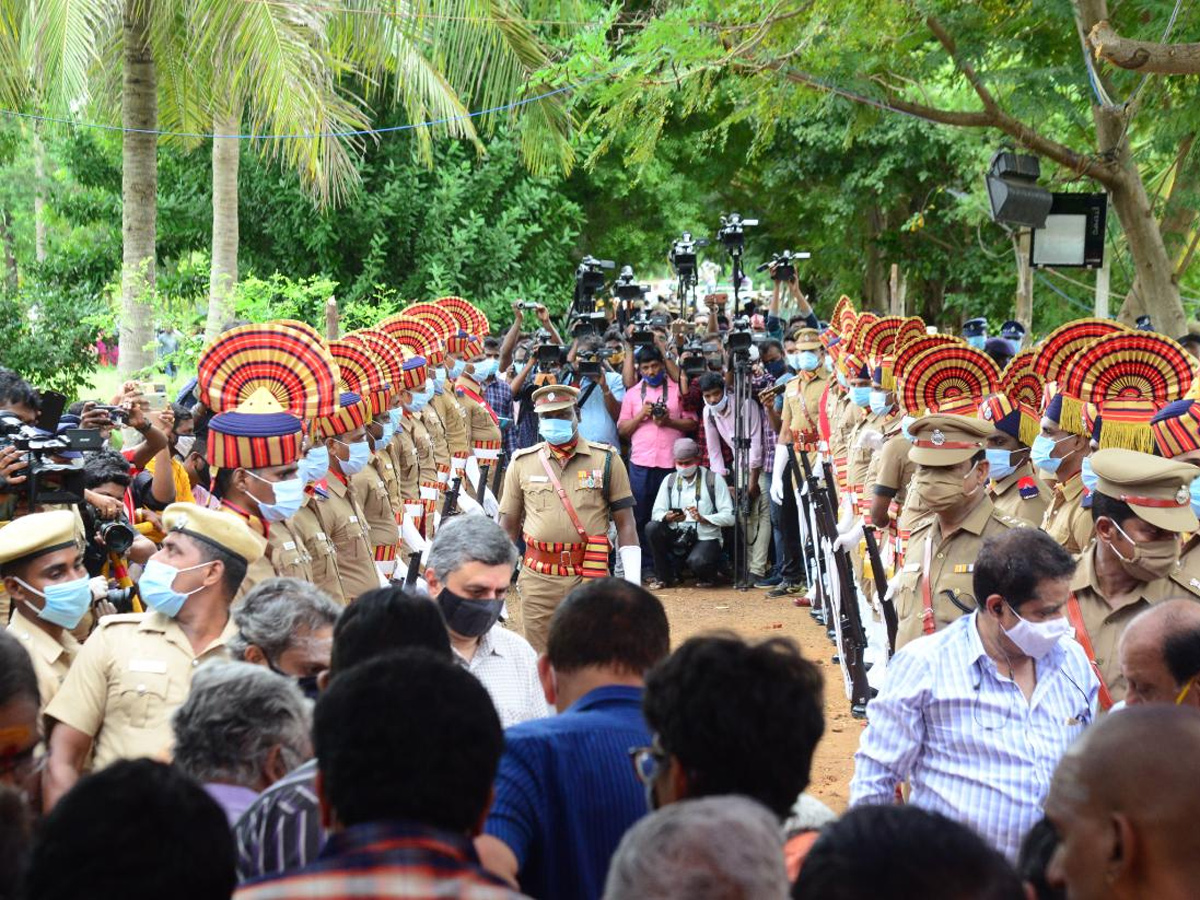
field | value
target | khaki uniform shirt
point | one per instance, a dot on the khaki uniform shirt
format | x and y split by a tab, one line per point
52	657
802	407
437	433
1106	619
370	490
859	459
951	570
835	411
530	497
454	421
893	478
480	424
1066	520
285	556
408	465
343	519
322	554
131	675
384	462
1022	495
1187	575
426	453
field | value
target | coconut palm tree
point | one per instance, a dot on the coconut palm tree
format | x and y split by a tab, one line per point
266	67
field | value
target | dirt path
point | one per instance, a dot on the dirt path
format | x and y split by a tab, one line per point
751	615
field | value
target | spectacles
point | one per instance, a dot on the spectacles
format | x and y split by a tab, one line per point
647	761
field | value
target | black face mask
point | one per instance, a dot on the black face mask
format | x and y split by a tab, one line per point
306	683
470	618
775	367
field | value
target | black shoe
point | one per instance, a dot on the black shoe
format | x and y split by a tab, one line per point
787	589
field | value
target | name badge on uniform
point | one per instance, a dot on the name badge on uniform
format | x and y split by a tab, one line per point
353	520
156	666
289	545
538	478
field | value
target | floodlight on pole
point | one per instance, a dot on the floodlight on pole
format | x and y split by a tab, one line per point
1013	191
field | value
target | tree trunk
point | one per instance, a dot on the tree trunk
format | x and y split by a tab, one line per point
223	274
12	279
1024	313
875	284
1155	290
139	189
39	196
1143	56
897	291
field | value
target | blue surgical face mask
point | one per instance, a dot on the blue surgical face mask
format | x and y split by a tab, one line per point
1089	478
394	417
289	497
439	380
1195	494
314	465
879	402
999	463
656	380
420	399
829	364
905	424
157	587
860	396
456	368
720	405
1041	452
842	380
66	602
485	369
389	432
360	455
556	431
807	361
978	341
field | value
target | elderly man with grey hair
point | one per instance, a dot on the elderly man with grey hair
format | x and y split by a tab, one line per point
715	848
286	625
241	729
470	566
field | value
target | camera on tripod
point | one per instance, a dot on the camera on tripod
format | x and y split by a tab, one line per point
732	234
626	288
783	265
642	335
589	280
739	338
682	255
47	481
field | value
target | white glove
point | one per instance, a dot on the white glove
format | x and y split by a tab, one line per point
850	538
491	506
456	463
631	562
467	503
777	473
891	587
472	469
869	439
413	539
847	521
386	567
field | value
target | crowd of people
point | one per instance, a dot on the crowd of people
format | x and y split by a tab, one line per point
375	616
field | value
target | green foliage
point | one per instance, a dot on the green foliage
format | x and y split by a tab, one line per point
46	336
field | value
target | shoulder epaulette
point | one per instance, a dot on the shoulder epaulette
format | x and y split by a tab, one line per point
607	448
525	451
121	619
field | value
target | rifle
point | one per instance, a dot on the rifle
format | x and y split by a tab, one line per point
852	639
890	619
498	478
483	478
414	558
814	558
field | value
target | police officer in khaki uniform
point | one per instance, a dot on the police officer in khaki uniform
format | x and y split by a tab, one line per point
1141	506
135	670
594	479
340	514
1015	487
256	450
41	561
1059	453
1176	430
934	587
371	492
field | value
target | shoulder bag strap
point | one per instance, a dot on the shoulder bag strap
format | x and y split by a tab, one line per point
562	495
1075	616
928	619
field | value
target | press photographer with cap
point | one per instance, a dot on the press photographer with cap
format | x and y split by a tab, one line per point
135	669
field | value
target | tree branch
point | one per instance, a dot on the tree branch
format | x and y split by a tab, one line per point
1143	56
944	38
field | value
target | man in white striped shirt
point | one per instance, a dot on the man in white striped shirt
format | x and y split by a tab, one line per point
976	717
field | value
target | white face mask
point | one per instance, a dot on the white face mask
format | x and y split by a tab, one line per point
1036	639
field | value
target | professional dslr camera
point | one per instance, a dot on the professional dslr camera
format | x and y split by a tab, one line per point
658	409
103	537
784	265
732	234
46	481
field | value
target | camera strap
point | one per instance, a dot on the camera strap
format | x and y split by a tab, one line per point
587	392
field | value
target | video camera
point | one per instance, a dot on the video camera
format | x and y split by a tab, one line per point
785	264
589	280
739	338
549	354
642	335
682	255
692	359
732	233
589	362
46	482
625	288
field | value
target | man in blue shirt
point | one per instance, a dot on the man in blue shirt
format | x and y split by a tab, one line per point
600	398
566	791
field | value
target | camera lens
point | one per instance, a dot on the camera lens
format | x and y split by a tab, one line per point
117	536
